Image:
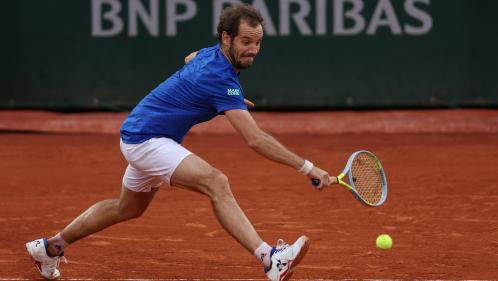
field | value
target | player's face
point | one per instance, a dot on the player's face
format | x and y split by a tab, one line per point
245	46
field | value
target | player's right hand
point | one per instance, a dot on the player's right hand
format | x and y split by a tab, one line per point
322	176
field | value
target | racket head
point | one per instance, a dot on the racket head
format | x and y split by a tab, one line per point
367	178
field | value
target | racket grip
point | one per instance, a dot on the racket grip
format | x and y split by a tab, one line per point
315	182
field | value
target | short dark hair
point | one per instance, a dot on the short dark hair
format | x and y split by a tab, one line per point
230	19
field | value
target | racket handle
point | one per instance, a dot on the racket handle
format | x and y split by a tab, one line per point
315	182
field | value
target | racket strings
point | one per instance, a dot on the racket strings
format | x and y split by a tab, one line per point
367	178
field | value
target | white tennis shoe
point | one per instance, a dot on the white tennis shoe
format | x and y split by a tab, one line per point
48	266
284	258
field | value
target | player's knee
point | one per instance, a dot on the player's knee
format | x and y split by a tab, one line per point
220	179
219	186
128	212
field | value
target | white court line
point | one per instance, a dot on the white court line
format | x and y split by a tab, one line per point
234	279
201	279
158	279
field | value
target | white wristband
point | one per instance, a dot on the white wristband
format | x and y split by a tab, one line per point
306	168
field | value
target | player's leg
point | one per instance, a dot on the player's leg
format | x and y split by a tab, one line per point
196	174
47	253
138	190
105	213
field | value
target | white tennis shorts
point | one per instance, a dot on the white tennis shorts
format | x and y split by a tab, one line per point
151	163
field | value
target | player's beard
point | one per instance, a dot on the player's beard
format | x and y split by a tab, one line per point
235	63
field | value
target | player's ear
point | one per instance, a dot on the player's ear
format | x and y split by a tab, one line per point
225	38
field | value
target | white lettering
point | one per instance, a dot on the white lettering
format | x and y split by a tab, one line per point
112	16
422	16
269	27
348	17
384	7
321	18
151	21
298	18
354	14
172	18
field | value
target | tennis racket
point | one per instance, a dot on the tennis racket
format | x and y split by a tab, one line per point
364	177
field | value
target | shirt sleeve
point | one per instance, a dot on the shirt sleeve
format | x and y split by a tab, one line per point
226	94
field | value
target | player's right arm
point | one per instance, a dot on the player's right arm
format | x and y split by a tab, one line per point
269	147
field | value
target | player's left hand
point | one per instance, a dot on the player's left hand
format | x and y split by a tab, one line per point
249	103
190	57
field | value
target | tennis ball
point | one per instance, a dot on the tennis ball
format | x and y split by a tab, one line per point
384	242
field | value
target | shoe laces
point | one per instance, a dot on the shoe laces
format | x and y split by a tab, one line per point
281	245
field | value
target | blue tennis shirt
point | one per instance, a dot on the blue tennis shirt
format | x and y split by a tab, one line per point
202	89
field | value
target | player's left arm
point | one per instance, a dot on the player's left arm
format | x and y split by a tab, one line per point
264	144
190	57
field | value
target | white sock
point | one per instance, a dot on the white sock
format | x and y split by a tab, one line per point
58	243
262	253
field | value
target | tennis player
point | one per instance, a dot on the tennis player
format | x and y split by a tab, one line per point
151	137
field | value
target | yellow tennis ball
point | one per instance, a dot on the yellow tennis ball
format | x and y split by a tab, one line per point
384	242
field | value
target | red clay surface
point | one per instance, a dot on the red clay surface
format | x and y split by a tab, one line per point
323	122
441	210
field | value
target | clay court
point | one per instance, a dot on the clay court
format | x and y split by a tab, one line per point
441	210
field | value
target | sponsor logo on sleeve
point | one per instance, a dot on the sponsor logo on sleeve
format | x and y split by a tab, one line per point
233	92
